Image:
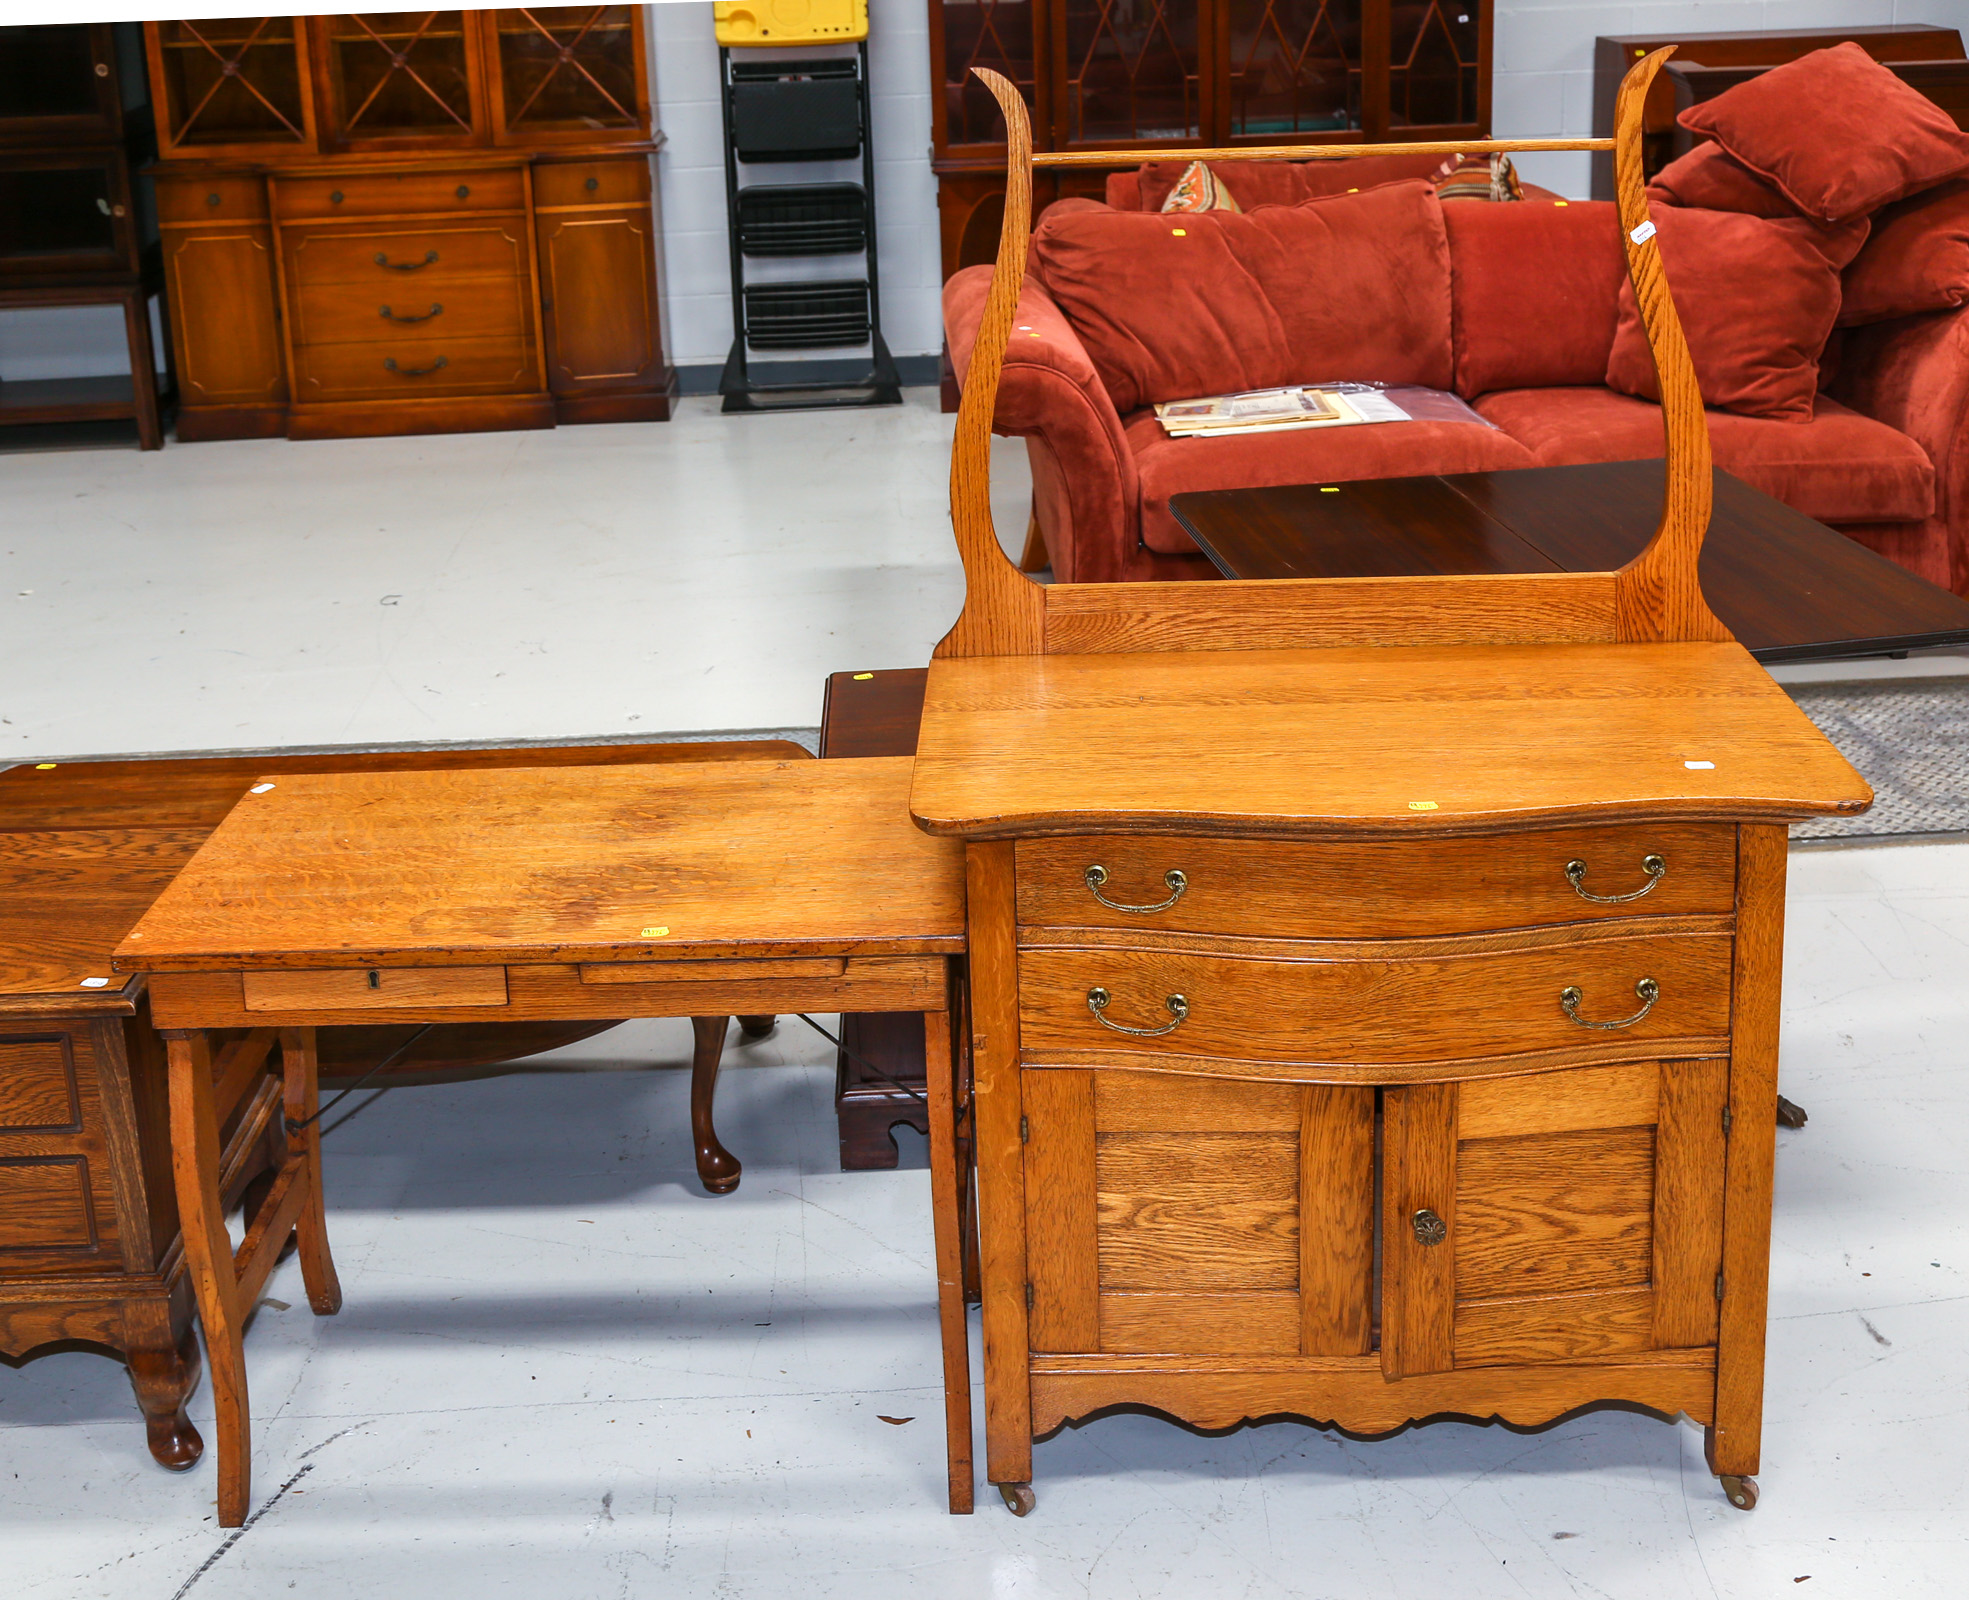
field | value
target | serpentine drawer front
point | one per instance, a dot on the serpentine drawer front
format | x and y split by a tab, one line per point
1423	1003
1382	889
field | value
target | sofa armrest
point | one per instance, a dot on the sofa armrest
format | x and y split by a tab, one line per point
1049	392
1913	375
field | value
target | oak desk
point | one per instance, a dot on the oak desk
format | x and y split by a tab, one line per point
520	896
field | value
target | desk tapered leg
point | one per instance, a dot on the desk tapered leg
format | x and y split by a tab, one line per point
947	1202
208	1253
301	1099
717	1167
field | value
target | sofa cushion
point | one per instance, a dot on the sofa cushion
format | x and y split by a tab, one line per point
1167	466
1571	251
1283	183
1917	259
1709	178
1174	308
1837	132
1839	467
1757	298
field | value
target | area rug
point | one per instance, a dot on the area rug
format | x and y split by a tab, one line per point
1909	737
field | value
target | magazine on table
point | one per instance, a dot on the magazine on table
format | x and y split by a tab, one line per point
1277	410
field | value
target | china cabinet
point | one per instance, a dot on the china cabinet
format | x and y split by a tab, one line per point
1162	74
410	222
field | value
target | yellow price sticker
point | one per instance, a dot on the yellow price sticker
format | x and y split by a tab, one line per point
1422	805
655	933
44	766
862	677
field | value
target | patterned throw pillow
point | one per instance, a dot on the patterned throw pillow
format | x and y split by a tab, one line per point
1478	178
1200	189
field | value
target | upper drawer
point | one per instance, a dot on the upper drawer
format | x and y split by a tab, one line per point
591	183
211	199
396	194
1447	1001
1391	890
409	259
373	989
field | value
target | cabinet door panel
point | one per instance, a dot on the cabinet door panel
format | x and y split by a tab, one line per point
598	279
223	316
1193	1215
1566	1232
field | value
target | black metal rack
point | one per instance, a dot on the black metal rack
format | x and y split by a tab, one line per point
787	110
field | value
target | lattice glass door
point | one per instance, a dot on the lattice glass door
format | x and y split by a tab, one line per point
567	69
1433	63
398	75
998	34
1295	67
232	81
1130	69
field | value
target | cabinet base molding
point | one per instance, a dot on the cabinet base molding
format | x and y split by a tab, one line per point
200	424
1350	1393
622	405
386	418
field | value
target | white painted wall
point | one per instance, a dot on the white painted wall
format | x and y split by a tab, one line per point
1543	87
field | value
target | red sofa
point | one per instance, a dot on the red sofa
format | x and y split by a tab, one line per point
1513	306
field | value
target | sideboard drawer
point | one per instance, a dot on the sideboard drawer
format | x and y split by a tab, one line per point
211	200
373	989
409	259
1374	890
591	183
1452	1000
477	308
412	366
401	193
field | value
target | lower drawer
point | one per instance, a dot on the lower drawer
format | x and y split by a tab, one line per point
410	368
479	308
1455	1000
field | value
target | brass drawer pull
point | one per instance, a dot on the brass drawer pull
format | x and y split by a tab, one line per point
383	260
1179	1009
390	365
391	316
1653	866
1175	878
1429	1228
1647	991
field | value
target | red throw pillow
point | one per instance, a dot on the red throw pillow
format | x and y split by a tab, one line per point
1177	307
1709	178
1837	133
1916	260
1558	335
1757	297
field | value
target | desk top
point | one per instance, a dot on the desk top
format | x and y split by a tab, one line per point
1366	740
582	864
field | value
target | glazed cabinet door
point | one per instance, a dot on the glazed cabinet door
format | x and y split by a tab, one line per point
1190	1215
1552	1217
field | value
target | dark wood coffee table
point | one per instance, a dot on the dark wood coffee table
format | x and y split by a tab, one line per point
1789	588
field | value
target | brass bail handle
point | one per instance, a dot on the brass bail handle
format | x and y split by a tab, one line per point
1098	1000
1175	880
1647	991
1652	865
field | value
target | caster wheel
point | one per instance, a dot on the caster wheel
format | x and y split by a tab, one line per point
1791	1114
1019	1498
1740	1492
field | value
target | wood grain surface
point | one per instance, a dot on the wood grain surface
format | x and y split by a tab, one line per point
550	865
1374	889
1327	743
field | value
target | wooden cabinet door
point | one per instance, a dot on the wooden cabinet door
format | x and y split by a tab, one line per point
598	284
1193	1215
223	315
1552	1217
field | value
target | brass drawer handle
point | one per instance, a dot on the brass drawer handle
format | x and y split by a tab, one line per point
391	316
1653	866
390	365
1647	991
1430	1229
1175	878
383	260
1179	1009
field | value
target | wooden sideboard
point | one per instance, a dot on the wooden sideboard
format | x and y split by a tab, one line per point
1710	52
1185	74
409	223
